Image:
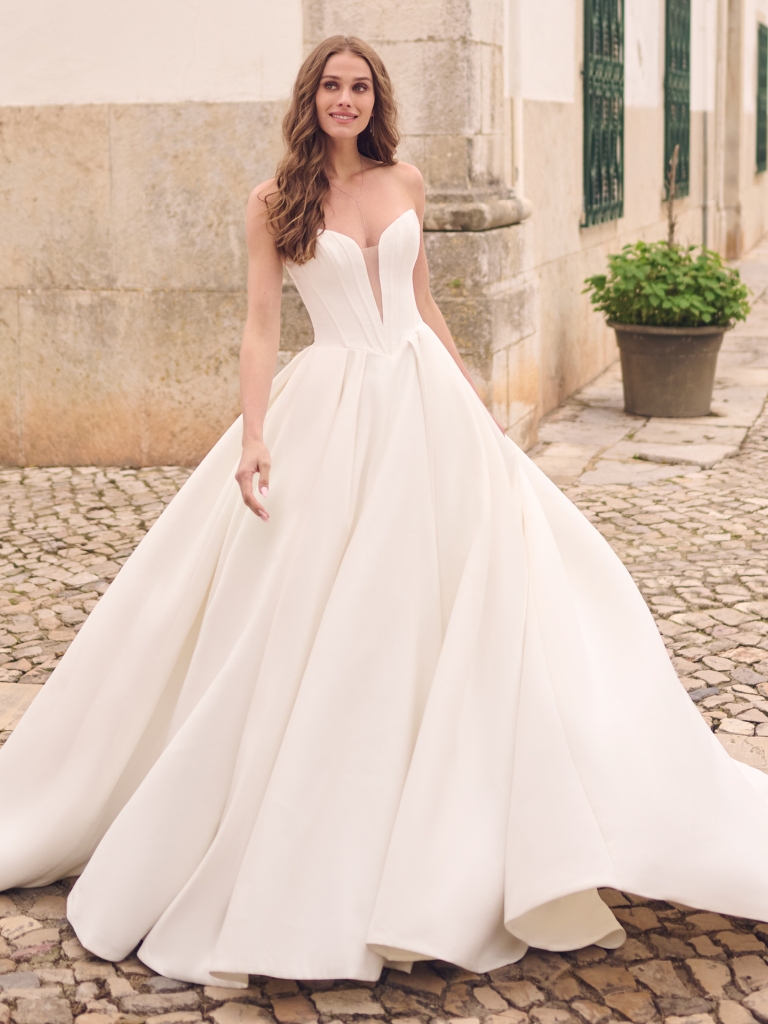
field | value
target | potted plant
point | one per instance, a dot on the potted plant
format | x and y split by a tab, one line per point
670	307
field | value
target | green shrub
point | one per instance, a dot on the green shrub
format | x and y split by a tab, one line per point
662	285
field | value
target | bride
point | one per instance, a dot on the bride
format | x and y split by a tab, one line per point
392	698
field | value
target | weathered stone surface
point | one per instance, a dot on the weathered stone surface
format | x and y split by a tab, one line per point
711	976
20	979
281	987
347	1000
36	938
695	1018
607	979
56	167
147	1004
182	1017
457	1001
49	908
119	987
550	1015
637	1006
239	1013
161	984
750	972
93	971
13	928
642	918
731	1012
423	979
43	1011
72	947
660	977
704	946
489	998
521	994
295	1010
564	988
56	975
708	922
544	968
509	1016
741	942
670	947
86	991
757	1002
631	950
592	1013
177	200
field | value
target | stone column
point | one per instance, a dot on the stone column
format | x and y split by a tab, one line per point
446	61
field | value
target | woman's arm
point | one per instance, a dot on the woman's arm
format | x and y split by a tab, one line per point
258	353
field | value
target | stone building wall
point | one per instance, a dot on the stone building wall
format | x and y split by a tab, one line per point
130	138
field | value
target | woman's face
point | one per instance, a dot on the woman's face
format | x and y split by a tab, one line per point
344	97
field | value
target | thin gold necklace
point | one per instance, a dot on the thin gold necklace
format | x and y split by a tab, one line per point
360	196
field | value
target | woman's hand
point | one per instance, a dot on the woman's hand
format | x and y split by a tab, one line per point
255	459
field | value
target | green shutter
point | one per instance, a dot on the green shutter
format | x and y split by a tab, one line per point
603	110
762	87
677	92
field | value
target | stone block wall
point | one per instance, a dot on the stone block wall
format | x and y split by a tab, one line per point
122	272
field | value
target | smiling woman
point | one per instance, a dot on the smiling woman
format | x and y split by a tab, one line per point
344	91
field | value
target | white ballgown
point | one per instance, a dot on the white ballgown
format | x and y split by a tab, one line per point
423	713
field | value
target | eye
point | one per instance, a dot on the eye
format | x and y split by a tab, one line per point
329	85
361	87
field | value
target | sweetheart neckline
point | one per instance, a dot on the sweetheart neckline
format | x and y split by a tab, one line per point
391	224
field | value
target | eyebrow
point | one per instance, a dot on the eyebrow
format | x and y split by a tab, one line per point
358	78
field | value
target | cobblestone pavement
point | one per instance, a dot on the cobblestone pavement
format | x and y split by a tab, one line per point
695	540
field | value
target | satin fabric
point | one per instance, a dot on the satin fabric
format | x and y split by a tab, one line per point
422	713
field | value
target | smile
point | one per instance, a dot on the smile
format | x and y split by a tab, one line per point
344	117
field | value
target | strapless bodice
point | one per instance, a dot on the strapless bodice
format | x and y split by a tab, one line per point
336	288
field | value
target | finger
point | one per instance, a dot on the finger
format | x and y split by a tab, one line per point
245	480
264	477
255	506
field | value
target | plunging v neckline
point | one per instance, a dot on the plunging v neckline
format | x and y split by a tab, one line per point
391	224
361	251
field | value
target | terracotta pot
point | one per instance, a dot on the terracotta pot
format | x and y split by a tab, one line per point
668	371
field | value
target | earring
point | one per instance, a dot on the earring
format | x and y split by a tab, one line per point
370	125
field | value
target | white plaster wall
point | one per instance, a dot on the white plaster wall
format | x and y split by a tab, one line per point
147	51
643	53
542	42
703	54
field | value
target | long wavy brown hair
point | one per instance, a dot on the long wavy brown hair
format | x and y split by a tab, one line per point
295	208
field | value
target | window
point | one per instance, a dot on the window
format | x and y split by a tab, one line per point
603	110
677	92
762	87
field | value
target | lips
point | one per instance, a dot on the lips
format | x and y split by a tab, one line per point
344	118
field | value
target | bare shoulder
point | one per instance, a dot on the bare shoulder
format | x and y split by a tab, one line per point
258	200
256	213
412	184
409	174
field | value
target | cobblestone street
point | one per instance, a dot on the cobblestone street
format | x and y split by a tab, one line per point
684	504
